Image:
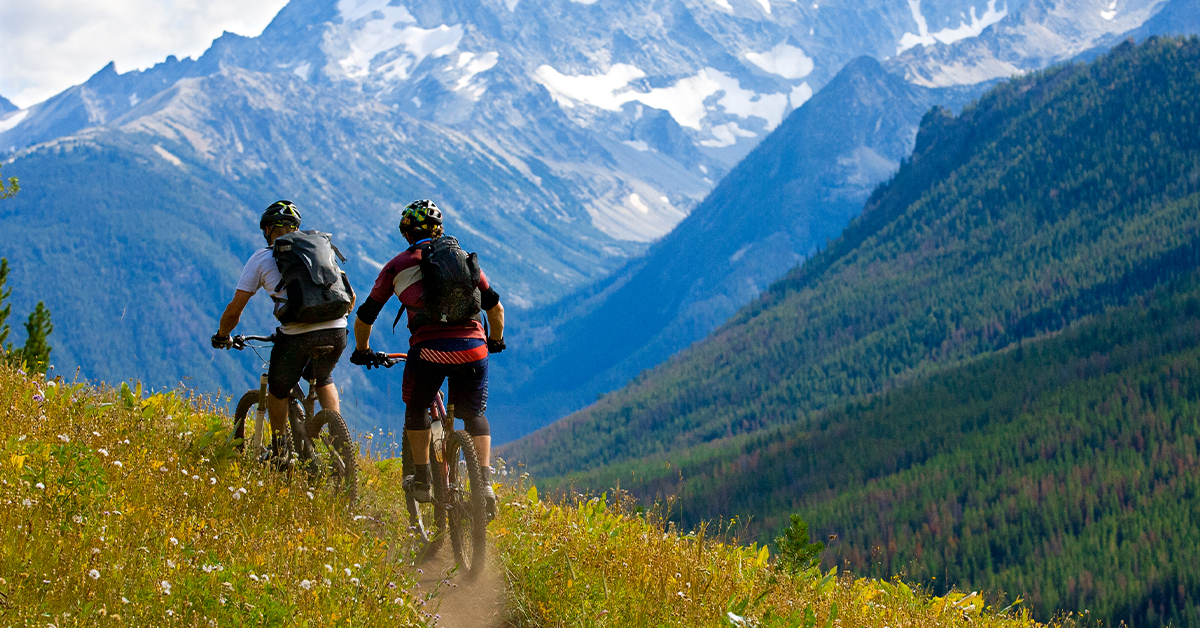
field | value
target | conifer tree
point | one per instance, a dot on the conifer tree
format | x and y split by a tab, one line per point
10	190
36	353
5	308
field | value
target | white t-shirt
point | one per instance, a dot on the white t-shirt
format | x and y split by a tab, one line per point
261	272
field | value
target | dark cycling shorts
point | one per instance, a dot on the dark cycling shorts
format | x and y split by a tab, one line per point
468	391
292	353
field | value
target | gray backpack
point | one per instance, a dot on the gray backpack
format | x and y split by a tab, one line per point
317	289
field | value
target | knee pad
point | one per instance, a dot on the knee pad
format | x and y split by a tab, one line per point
416	419
477	426
279	390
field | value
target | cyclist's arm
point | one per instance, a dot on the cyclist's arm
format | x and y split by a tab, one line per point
362	335
233	312
495	318
364	320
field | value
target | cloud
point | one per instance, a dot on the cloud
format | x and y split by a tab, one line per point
47	46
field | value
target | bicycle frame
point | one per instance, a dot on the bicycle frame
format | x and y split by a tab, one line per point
437	417
307	400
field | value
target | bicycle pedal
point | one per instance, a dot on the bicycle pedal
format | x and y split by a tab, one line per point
421	491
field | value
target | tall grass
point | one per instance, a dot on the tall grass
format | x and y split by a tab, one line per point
122	510
589	563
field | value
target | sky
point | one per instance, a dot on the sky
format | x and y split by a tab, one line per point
47	46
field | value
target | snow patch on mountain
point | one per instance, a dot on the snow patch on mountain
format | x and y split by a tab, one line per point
726	135
686	100
472	65
784	60
800	95
1111	12
949	35
376	27
13	120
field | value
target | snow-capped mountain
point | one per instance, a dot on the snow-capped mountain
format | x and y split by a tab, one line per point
562	137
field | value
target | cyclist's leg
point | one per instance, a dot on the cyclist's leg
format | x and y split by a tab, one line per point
323	364
287	364
468	393
422	380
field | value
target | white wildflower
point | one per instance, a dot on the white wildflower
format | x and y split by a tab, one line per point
117	463
347	570
212	481
64	438
306	584
102	452
254	577
328	568
354	581
237	495
173	541
166	587
39	486
95	574
309	493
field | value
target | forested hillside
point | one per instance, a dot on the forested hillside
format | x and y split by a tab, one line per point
1030	232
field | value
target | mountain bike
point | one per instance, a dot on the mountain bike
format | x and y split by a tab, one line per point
459	509
321	441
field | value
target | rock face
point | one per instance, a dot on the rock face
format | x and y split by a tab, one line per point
562	137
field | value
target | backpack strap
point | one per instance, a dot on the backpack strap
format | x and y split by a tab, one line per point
397	321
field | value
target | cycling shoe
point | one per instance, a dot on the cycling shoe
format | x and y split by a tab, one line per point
421	491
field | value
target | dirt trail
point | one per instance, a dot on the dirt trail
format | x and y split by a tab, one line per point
477	604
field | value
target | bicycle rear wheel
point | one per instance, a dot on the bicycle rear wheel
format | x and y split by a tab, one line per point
431	540
334	453
468	519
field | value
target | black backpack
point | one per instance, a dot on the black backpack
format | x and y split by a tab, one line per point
451	278
317	290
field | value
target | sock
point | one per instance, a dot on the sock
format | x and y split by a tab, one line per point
424	474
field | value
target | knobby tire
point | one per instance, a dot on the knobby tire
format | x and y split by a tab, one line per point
468	518
337	452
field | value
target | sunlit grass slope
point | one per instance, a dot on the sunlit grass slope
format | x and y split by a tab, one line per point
119	510
123	509
589	563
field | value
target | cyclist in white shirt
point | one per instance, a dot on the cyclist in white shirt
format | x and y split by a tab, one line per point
290	355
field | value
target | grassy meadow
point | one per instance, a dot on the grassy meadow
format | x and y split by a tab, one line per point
120	508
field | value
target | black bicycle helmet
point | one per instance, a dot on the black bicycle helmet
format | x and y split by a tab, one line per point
280	213
420	215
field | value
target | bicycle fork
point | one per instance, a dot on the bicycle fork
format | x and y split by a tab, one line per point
260	415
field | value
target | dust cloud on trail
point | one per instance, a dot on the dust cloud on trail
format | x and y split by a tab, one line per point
464	603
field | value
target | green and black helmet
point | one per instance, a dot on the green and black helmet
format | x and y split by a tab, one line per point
421	215
280	213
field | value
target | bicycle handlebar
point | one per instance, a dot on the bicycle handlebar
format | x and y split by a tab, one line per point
394	358
239	341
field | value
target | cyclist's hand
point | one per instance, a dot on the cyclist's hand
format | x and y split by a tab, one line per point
369	359
222	341
495	345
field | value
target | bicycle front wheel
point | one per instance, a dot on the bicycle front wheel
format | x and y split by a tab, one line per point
247	408
468	519
334	452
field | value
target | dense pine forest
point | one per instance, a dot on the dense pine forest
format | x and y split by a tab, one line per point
986	382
